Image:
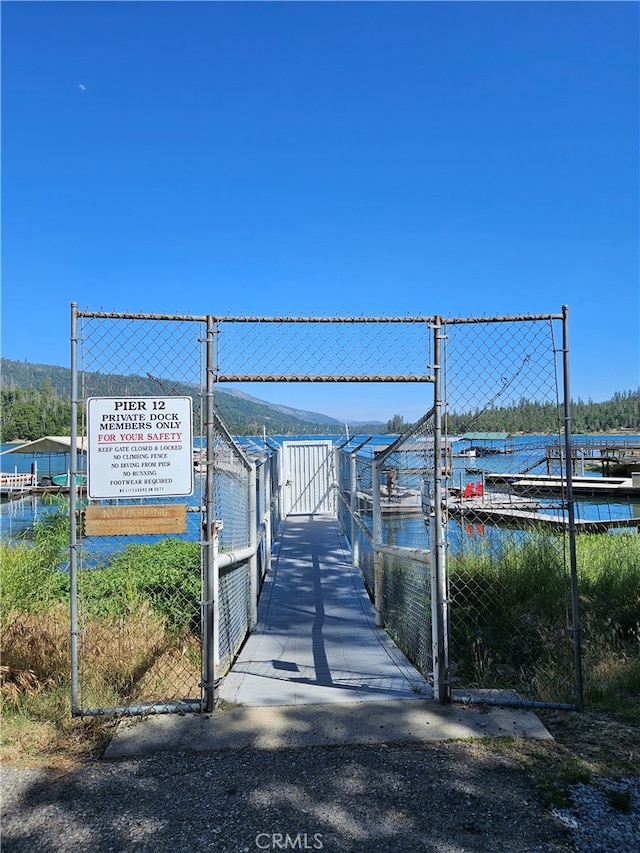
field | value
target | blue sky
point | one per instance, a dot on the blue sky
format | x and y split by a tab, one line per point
463	159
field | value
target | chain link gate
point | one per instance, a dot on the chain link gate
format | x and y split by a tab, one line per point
136	616
514	631
233	515
158	614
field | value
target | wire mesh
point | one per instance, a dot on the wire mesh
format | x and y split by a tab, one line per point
506	505
34	614
407	470
139	611
407	608
231	490
141	598
509	599
509	606
234	613
354	510
335	349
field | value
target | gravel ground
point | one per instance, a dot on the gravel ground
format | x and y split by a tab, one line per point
448	798
597	826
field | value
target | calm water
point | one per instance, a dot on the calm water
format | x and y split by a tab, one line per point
18	516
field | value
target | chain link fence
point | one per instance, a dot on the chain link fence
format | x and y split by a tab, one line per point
138	622
467	549
384	497
469	567
158	617
331	349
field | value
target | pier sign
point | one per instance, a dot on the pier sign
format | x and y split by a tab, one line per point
139	447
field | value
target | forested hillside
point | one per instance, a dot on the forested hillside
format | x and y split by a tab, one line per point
35	402
622	412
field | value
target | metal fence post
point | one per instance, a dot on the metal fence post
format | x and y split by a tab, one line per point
254	582
441	666
274	491
265	474
210	620
378	557
575	606
73	542
353	504
338	467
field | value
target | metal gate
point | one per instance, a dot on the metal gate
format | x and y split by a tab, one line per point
307	478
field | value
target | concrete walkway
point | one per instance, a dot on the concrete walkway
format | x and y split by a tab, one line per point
317	670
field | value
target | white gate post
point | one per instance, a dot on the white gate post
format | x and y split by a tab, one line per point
353	482
265	473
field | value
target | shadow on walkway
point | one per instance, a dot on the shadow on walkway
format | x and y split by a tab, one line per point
316	640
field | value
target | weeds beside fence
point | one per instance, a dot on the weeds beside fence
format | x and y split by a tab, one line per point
507	621
141	595
144	597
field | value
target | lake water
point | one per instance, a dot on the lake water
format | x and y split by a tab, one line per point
18	516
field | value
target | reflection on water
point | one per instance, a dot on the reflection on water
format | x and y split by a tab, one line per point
18	516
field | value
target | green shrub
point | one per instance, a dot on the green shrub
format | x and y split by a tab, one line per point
164	576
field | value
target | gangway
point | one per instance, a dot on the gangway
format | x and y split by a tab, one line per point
316	640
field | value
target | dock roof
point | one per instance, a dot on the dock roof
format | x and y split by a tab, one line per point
47	444
486	436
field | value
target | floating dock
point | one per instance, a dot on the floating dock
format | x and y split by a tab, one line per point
13	486
401	501
16	486
508	510
543	484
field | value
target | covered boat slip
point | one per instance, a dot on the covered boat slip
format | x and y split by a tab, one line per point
316	640
49	460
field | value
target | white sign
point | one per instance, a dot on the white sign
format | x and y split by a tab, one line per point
139	447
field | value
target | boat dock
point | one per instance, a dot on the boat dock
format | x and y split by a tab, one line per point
604	452
401	501
16	485
549	484
508	511
543	484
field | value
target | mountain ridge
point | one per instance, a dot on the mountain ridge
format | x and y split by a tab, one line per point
241	412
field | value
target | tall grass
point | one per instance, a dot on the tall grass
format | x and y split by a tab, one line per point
511	617
609	584
30	576
139	622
